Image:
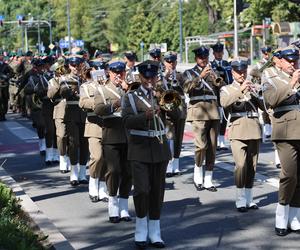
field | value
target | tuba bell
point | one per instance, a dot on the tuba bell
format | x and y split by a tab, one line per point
170	100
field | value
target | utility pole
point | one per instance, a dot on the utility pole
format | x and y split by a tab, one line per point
180	30
69	29
236	49
39	37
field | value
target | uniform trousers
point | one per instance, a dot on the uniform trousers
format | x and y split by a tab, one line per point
289	184
97	165
4	96
206	134
245	155
78	148
118	174
149	188
61	136
223	123
38	122
50	134
179	131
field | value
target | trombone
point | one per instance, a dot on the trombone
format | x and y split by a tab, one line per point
157	126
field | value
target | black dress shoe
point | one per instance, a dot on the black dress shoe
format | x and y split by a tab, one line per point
64	171
176	173
94	198
168	175
115	219
199	187
158	244
294	231
253	207
242	209
83	182
281	231
140	244
74	183
43	152
126	219
223	148
48	163
278	166
212	189
218	148
105	199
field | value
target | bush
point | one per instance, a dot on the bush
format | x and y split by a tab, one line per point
15	232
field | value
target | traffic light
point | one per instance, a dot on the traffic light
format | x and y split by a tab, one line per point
240	6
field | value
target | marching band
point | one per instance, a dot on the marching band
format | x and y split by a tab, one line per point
125	123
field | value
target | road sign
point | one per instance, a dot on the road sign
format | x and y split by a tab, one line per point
63	44
51	46
79	43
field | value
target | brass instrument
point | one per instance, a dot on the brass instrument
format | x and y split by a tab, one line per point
214	76
169	100
133	86
268	64
36	102
157	125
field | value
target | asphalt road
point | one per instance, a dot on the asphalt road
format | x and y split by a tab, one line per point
190	219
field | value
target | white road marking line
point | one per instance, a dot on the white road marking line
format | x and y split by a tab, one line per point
20	131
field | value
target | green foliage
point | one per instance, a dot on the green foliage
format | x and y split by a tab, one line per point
14	231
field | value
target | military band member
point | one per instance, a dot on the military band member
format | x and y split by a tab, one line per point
202	89
114	142
148	152
59	68
132	74
34	89
256	77
173	80
93	131
223	69
242	102
74	119
6	73
281	93
155	55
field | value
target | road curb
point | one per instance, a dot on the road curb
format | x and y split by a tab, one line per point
55	238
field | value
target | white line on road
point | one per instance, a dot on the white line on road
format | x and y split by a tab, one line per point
20	131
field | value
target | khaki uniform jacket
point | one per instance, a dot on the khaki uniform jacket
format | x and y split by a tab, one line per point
93	123
142	148
113	131
53	94
73	112
200	110
241	128
277	92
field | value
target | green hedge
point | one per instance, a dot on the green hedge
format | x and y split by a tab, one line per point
15	233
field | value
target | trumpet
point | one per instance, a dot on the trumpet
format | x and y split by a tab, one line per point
217	80
133	86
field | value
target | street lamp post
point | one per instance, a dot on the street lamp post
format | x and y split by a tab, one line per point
236	49
180	30
69	27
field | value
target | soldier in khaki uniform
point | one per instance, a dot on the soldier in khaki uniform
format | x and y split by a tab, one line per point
173	80
244	131
59	102
223	69
118	175
202	89
6	73
256	77
148	152
93	131
281	93
132	74
74	119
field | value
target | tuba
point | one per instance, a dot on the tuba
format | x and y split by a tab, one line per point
169	100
